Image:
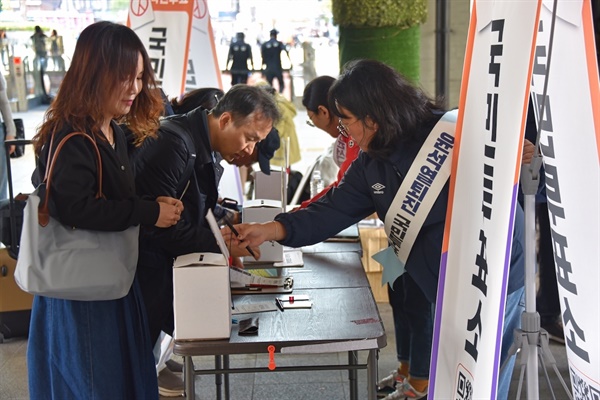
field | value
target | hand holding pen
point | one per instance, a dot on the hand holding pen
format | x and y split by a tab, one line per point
254	234
235	232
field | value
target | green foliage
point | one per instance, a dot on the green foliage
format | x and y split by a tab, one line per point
379	13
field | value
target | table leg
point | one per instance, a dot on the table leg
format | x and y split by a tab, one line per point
372	374
218	377
188	377
226	377
352	375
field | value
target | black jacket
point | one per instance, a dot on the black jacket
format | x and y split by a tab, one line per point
370	186
270	52
159	165
74	185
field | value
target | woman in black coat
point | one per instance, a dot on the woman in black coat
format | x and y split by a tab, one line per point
98	349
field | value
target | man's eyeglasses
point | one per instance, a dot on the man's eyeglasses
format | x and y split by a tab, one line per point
343	129
310	123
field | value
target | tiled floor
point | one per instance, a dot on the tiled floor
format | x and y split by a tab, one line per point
290	386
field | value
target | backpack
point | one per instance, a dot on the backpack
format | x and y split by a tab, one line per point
168	126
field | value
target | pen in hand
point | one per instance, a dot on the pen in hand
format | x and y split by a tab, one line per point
235	232
187	185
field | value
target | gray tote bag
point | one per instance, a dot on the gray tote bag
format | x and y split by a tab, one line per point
73	264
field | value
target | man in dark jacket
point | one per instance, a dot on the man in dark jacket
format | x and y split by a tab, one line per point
241	119
237	60
270	52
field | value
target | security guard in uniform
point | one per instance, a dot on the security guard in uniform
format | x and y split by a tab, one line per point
239	52
270	52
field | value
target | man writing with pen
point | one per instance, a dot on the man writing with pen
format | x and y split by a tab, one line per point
242	118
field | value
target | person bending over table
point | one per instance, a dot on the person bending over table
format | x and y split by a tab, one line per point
230	130
344	150
390	119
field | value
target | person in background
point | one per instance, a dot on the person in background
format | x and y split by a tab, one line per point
38	40
8	133
390	119
98	349
206	98
286	128
308	65
239	54
547	299
228	131
270	52
344	150
3	47
56	51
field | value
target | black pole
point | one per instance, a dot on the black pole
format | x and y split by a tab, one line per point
441	50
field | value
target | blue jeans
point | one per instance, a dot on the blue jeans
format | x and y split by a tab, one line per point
515	306
413	323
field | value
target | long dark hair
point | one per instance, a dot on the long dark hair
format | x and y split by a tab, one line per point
315	93
369	88
106	55
205	97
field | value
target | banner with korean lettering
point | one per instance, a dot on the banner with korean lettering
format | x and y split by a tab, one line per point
203	68
570	145
164	27
483	198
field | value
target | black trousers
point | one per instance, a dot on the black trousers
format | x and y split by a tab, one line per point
239	78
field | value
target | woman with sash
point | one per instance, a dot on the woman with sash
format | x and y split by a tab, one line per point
391	120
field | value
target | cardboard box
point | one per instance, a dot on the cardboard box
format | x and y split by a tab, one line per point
264	211
201	297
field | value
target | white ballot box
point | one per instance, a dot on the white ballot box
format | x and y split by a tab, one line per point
201	292
201	296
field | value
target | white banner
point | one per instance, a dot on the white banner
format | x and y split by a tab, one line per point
483	189
164	28
570	137
203	68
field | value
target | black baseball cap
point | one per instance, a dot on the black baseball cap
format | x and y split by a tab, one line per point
273	31
266	150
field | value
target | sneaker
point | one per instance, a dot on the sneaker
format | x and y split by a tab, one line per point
555	332
170	384
388	384
405	391
174	366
